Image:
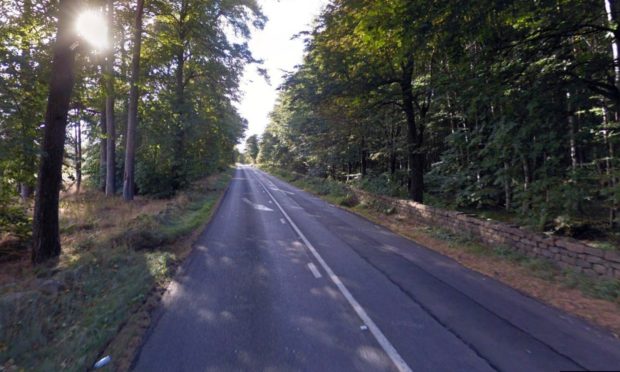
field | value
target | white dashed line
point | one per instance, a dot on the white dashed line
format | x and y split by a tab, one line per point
386	345
283	221
314	270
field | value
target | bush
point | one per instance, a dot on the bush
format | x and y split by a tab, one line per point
349	200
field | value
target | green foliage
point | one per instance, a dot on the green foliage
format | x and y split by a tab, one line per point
190	72
13	219
25	64
512	107
251	147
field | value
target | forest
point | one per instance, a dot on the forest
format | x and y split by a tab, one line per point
126	97
510	107
129	240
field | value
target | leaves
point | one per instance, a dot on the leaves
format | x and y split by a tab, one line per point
508	99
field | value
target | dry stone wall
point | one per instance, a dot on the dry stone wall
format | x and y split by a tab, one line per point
564	252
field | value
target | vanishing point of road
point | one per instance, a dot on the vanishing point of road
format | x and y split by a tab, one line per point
283	281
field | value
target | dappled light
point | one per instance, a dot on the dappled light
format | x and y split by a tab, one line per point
293	185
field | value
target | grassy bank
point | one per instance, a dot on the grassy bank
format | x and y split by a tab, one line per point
595	299
115	255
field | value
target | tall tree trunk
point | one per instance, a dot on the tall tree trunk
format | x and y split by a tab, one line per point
363	158
45	234
611	8
527	179
25	191
613	13
414	156
28	118
572	131
394	144
182	111
132	119
609	167
182	116
78	152
507	188
103	148
392	160
109	104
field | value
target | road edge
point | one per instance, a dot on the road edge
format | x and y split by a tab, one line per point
595	323
148	314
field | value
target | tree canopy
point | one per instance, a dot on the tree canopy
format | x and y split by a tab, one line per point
184	78
488	104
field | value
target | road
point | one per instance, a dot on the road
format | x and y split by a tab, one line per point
283	281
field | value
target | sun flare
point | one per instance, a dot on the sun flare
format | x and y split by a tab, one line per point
92	27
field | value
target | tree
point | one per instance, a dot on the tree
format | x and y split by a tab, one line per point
132	122
46	240
251	147
481	105
204	122
110	184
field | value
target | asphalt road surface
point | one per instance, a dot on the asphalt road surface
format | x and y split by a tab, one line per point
283	281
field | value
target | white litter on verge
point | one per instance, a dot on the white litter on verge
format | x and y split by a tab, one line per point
102	362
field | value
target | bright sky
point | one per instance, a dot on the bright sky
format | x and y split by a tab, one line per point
273	44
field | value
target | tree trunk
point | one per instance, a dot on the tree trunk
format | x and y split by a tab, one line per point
132	119
363	158
78	153
414	156
28	117
45	234
572	134
25	191
507	189
609	168
182	110
395	134
109	104
611	8
179	135
103	149
526	183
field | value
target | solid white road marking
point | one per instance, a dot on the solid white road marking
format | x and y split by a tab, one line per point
359	310
314	270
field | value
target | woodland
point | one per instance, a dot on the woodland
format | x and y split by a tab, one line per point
125	97
119	123
510	108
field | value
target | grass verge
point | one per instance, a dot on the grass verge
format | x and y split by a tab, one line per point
595	299
115	256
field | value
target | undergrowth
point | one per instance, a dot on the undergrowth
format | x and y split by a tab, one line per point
110	264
